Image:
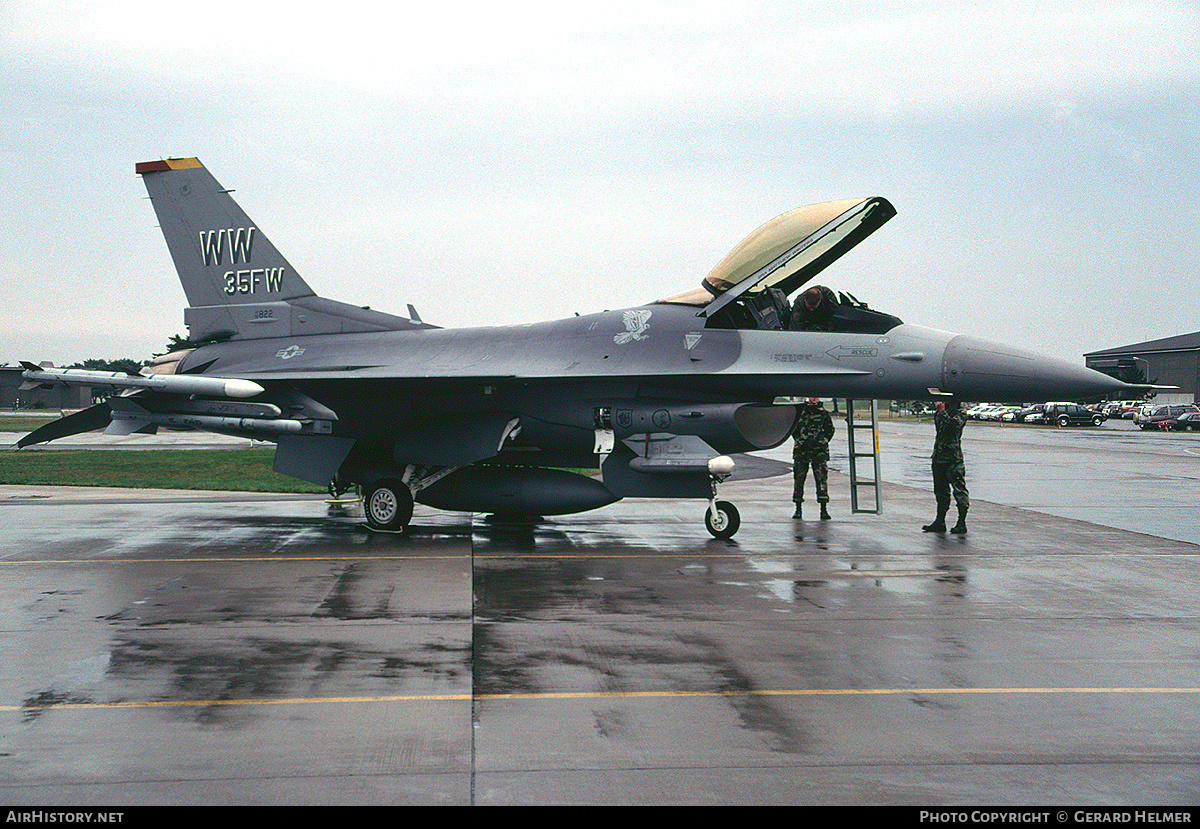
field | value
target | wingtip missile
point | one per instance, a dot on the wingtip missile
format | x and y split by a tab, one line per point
166	383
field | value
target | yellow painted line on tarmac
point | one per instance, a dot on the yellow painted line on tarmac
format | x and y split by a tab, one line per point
230	559
810	692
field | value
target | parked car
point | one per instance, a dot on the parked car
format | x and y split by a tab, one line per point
976	412
998	412
1029	414
1157	414
1071	414
1123	408
1186	422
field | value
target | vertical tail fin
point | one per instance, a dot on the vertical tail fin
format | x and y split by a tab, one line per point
238	285
221	256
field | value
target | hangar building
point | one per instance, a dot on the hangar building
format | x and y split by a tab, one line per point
1171	361
59	397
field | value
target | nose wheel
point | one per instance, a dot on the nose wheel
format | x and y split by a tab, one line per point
722	519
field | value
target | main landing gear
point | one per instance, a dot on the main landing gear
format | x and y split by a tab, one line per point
721	518
388	505
388	502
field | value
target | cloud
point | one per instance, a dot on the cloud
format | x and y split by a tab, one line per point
554	158
886	59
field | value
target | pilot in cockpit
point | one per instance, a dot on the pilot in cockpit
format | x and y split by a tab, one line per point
814	309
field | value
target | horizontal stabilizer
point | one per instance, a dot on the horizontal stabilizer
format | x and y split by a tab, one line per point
88	420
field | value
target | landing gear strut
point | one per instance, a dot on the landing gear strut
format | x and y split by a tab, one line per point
338	488
721	518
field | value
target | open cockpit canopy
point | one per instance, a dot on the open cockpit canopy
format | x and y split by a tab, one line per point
788	251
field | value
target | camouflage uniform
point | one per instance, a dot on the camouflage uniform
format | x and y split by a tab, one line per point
814	319
811	448
949	471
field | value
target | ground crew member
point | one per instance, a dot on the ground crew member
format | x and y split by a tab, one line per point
811	448
949	471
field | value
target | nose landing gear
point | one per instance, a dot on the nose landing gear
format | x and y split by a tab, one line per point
721	518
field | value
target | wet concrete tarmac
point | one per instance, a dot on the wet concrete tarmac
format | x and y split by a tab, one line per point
1115	475
165	647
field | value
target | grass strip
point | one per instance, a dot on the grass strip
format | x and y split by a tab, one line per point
241	470
24	423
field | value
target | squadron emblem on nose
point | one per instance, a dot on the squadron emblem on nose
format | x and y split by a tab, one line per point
638	323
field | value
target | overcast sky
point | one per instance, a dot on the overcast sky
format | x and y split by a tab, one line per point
497	163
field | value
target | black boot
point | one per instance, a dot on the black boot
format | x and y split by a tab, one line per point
961	526
939	523
825	511
797	514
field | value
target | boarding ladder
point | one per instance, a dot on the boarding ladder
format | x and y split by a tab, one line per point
871	450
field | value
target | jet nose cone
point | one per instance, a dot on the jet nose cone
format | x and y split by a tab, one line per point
977	370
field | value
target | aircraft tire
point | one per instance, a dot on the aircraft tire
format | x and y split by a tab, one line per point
388	505
726	521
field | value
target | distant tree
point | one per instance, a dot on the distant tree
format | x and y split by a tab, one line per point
127	366
178	342
1134	374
